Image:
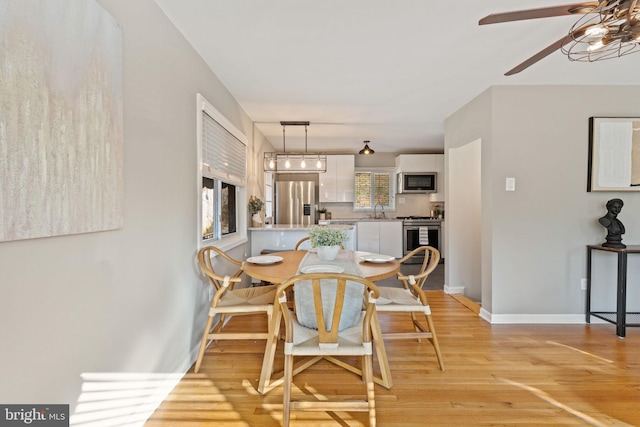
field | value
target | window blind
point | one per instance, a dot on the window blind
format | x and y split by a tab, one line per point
223	155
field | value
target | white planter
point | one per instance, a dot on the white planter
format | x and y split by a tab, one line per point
328	253
256	221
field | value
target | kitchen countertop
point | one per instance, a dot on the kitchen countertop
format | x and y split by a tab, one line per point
338	223
352	220
355	220
296	227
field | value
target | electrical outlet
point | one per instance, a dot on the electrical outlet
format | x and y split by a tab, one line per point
210	293
583	284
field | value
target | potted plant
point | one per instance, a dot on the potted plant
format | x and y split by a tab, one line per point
322	212
255	207
327	240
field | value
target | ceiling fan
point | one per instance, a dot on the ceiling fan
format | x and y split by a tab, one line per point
607	29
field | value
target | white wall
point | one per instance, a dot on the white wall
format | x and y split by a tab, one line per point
465	203
539	135
130	300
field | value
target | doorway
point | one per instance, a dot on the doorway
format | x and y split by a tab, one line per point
464	220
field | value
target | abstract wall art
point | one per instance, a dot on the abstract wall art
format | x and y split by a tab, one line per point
614	154
61	119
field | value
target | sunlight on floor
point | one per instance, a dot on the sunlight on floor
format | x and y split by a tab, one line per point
579	414
120	399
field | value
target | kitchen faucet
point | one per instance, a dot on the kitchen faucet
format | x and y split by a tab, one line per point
375	216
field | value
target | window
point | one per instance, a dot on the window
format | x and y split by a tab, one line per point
375	186
268	195
208	208
222	158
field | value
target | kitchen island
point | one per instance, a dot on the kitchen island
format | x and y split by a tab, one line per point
283	237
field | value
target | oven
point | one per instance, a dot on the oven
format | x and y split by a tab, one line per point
414	231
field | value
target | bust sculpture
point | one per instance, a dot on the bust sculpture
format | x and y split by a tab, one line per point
615	228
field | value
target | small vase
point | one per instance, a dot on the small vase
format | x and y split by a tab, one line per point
256	221
328	253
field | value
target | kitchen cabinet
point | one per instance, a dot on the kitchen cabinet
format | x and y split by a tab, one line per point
380	237
337	183
283	237
420	163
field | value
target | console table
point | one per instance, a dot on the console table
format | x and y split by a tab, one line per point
619	317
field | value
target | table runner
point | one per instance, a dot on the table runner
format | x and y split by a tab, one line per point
305	310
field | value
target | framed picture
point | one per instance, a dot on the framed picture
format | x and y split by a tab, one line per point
614	154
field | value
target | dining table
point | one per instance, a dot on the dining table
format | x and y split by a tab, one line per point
280	266
279	271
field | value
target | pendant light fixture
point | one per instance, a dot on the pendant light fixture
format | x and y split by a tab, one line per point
294	162
366	150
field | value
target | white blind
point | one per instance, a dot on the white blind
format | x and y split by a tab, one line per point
223	155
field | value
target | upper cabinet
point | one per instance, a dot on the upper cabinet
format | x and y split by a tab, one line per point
420	163
337	183
406	163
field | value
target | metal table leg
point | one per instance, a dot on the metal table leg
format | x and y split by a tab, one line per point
621	317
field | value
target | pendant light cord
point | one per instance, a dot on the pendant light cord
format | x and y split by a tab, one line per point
284	141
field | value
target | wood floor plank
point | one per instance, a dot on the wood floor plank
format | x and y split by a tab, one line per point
496	375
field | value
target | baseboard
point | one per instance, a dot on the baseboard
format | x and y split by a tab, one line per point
453	289
574	319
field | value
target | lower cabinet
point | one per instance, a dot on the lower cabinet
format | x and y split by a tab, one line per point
284	238
381	237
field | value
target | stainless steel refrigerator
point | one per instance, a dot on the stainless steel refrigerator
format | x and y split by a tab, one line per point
295	202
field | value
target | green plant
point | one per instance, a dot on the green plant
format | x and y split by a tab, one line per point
322	210
255	204
326	236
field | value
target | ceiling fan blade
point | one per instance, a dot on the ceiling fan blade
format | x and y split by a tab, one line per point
540	55
545	12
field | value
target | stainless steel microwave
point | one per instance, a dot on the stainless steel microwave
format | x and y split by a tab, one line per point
417	182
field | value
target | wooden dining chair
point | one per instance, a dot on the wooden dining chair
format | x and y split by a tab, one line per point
302	241
229	301
325	333
411	299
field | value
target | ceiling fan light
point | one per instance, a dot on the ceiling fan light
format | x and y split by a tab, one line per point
595	45
596	31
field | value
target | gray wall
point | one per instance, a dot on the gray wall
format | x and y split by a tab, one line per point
130	300
533	240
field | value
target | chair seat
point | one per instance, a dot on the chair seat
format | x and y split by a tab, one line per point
259	296
399	300
307	343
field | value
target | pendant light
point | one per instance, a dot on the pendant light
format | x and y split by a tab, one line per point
293	162
366	150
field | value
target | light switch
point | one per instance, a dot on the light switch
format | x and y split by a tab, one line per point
510	184
401	200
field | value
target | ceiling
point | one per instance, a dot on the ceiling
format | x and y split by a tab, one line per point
386	71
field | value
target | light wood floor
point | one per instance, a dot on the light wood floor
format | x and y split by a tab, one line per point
500	375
